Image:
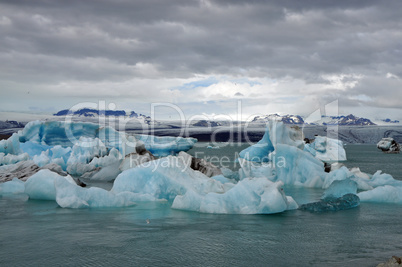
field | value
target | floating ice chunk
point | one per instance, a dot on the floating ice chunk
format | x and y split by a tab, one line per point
41	185
297	167
57	132
282	134
358	173
33	149
44	154
161	146
82	169
380	179
256	169
345	202
82	153
86	149
126	144
12	159
107	173
60	152
339	174
258	152
42	159
249	196
165	178
72	196
343	174
339	188
15	186
104	168
383	194
11	145
112	158
276	133
326	149
388	145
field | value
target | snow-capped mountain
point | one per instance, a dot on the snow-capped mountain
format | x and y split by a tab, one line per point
205	123
88	112
349	120
11	124
287	119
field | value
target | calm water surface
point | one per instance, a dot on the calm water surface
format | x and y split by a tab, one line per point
38	233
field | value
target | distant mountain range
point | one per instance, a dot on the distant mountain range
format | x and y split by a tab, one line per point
287	119
205	123
349	120
11	124
390	121
88	112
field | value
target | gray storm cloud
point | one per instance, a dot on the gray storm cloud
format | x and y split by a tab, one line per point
95	48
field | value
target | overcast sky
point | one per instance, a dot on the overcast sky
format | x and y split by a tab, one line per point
206	57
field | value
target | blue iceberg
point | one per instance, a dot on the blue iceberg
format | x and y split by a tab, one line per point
339	188
345	202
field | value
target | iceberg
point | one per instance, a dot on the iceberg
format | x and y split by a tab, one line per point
249	196
383	194
388	145
162	146
345	202
70	195
279	156
165	178
41	185
326	149
67	134
33	149
297	167
53	133
339	188
11	145
12	159
14	186
276	133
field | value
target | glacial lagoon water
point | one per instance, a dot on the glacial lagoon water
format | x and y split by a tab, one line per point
39	233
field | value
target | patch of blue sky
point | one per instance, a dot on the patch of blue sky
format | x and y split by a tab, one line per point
201	83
